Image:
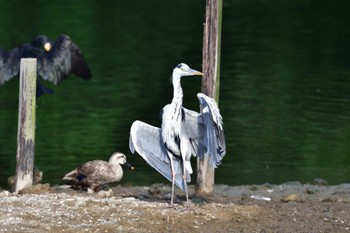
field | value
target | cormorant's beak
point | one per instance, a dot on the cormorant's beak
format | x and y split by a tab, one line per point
195	72
128	165
47	46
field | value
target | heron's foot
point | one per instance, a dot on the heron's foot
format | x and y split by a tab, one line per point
171	206
174	202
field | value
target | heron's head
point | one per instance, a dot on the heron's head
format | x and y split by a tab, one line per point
184	70
119	158
42	42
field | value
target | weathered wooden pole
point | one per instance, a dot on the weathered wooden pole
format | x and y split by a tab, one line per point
210	84
26	124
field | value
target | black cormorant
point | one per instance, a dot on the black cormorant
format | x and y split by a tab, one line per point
55	61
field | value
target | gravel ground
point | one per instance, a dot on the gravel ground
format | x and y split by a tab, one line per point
289	207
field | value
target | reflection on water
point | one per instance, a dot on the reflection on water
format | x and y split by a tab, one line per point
284	85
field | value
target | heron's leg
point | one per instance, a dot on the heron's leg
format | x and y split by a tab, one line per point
185	155
184	179
172	178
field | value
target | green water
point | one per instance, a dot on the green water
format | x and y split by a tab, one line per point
285	81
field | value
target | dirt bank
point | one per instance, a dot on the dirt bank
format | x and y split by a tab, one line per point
289	207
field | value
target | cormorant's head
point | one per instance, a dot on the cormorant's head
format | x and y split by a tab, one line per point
42	42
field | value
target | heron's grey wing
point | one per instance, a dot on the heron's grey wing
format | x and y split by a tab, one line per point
64	58
147	141
205	130
9	64
214	132
194	128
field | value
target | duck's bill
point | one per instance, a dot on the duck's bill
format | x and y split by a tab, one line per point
128	165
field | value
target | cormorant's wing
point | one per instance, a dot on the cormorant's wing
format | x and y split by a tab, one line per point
147	141
63	59
205	130
9	64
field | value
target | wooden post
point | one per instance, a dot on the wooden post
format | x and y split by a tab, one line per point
26	124
210	84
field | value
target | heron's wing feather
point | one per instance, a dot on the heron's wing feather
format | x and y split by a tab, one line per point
214	138
146	140
9	64
205	130
194	128
63	59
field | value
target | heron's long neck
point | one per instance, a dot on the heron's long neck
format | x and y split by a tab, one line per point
178	94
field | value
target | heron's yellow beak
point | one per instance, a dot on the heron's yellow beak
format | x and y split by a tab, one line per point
47	46
198	73
195	72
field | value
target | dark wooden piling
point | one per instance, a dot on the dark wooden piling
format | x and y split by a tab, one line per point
210	84
26	124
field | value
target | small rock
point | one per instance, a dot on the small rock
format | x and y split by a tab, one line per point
4	194
329	199
35	189
260	198
293	183
320	182
199	200
159	191
104	193
290	197
311	191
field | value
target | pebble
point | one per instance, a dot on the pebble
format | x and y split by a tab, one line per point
320	181
39	188
290	197
4	194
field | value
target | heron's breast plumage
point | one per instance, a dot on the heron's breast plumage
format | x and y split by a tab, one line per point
171	129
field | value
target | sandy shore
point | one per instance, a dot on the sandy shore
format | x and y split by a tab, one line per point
289	207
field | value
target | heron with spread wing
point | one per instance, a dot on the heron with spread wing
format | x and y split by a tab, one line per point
55	61
183	133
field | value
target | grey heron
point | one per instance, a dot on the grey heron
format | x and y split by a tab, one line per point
96	173
183	133
55	61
